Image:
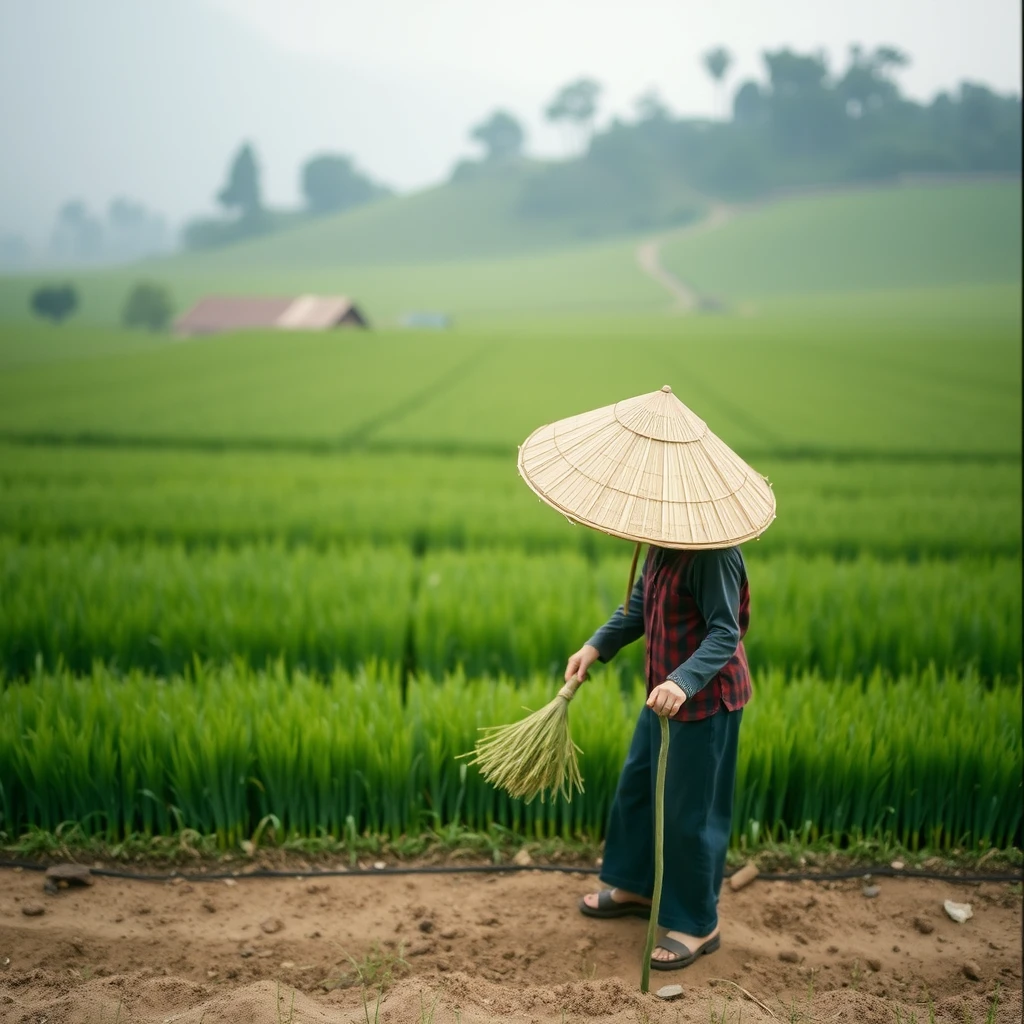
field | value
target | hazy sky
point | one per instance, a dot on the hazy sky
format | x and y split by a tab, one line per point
149	98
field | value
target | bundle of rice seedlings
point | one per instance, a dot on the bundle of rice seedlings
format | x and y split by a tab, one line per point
534	755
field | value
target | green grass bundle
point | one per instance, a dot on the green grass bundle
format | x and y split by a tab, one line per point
534	754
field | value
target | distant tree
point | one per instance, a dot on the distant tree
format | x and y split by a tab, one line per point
575	105
132	231
149	305
717	63
868	85
78	235
54	302
749	105
501	135
650	107
242	191
807	115
331	182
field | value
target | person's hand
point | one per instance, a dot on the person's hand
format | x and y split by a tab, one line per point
578	663
666	698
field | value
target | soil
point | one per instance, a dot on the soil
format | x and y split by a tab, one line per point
480	949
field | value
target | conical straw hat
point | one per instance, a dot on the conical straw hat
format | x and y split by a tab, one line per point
648	470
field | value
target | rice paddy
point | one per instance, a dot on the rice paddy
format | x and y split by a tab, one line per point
223	750
272	585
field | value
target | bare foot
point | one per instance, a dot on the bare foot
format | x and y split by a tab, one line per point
691	942
618	896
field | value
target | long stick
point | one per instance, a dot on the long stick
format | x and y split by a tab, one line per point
632	577
659	853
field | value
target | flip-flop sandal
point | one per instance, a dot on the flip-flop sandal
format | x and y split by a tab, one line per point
683	957
607	907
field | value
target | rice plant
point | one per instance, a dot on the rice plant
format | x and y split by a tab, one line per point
928	760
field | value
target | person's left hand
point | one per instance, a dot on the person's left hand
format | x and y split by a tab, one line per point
666	699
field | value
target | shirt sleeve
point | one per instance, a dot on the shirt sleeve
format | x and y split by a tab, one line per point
715	579
623	627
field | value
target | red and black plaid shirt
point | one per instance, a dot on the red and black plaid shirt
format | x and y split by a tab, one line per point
663	607
675	628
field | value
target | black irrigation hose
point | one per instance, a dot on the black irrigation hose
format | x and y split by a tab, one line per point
878	871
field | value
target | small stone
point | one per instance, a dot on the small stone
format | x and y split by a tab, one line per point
669	992
449	933
895	949
379	865
72	874
272	925
871	891
923	926
177	880
789	956
33	910
313	888
248	847
246	953
523	858
833	949
971	970
874	964
743	877
209	907
230	882
287	965
426	925
959	912
897	865
801	940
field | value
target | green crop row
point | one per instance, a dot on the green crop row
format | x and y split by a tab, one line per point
158	608
936	373
924	760
897	508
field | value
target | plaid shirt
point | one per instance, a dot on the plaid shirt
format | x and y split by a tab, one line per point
707	662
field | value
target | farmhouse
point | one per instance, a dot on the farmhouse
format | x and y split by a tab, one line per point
217	313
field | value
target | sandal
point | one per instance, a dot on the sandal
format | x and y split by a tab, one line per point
607	907
683	957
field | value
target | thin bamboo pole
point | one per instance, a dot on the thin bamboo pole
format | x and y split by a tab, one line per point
659	853
632	577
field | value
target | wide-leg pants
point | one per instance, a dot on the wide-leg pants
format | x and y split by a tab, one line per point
699	787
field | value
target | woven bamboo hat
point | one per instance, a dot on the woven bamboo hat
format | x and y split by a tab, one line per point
647	469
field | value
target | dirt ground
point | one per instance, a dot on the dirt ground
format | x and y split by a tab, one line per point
480	949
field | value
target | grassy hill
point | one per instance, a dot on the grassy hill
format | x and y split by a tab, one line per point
465	250
908	237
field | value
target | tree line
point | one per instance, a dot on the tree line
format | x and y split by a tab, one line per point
805	124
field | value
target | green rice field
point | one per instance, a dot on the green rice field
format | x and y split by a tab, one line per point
276	582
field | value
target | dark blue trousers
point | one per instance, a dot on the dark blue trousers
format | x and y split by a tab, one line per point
699	787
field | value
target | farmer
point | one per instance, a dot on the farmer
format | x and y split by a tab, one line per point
693	607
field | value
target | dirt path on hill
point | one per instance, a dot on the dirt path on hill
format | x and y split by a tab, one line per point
648	257
487	948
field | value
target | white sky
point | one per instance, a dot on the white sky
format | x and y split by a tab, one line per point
150	98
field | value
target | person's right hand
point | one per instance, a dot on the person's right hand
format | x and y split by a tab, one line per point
578	663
